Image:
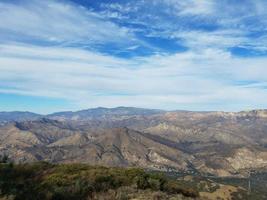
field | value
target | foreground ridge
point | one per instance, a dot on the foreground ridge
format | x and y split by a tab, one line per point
78	181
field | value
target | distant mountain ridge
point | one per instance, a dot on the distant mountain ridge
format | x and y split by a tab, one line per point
100	112
81	114
218	143
18	116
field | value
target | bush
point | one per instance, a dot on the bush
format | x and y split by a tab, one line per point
104	183
154	184
4	159
173	187
142	182
64	182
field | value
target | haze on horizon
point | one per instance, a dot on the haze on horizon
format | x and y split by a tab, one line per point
60	55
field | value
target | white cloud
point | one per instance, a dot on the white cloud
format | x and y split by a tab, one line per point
192	7
199	24
206	80
55	21
221	39
205	77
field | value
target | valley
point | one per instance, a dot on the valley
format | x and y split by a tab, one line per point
211	143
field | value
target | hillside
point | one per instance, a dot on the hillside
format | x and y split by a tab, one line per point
78	181
211	143
6	117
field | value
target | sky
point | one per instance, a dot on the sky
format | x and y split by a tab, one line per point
203	55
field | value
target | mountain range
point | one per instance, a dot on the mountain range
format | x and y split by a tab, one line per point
211	143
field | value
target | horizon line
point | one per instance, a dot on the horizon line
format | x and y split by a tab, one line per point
129	107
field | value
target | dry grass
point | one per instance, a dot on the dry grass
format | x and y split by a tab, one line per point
223	193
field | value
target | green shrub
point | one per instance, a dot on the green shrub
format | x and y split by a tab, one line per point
142	181
4	159
173	187
75	181
154	184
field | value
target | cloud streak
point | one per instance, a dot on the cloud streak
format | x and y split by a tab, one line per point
60	49
55	22
88	79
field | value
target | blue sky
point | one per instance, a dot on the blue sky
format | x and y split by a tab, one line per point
170	54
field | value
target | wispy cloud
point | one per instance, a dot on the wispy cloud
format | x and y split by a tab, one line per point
199	24
57	22
60	49
90	79
192	7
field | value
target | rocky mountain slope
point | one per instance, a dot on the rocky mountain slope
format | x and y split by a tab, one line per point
217	143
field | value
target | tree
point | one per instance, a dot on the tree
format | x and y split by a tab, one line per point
4	159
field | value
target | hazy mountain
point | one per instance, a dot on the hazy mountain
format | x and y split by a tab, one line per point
17	116
219	143
100	112
93	113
